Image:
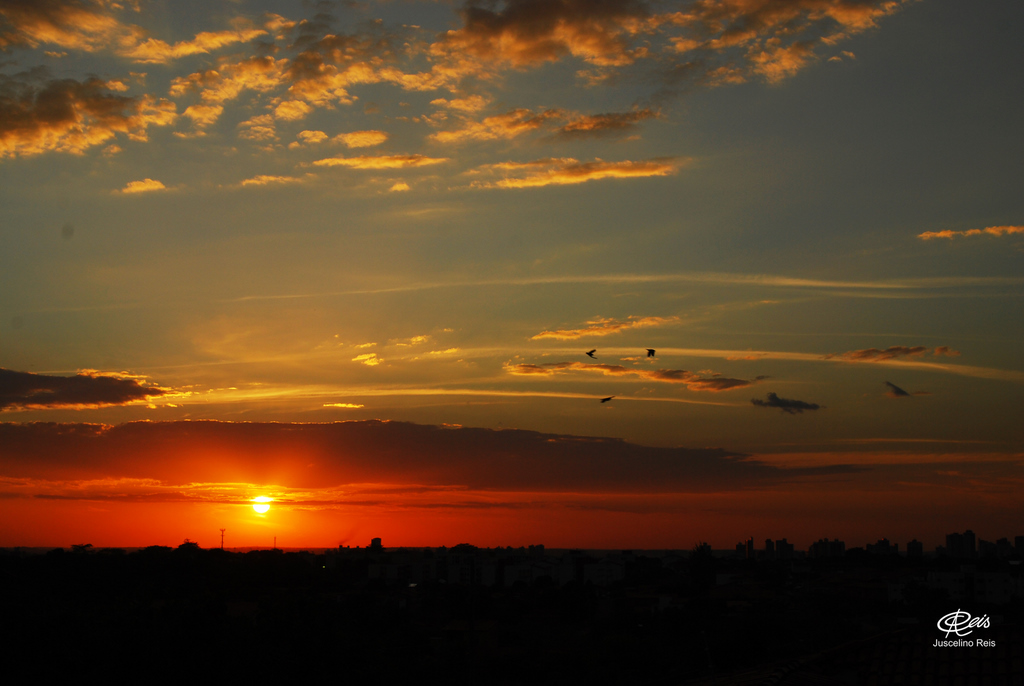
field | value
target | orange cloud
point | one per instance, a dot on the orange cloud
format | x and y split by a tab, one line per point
605	124
154	51
779	63
91	27
292	110
217	86
361	139
369	359
71	116
259	128
312	137
381	162
524	32
143	186
68	24
603	327
467	105
547	172
876	355
204	115
694	381
502	126
989	231
264	180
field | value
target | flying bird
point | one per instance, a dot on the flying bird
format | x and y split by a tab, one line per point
604	400
650	352
590	353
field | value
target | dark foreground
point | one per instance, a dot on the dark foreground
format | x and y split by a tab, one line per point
468	616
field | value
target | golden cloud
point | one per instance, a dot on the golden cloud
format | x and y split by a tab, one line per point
361	139
292	110
381	162
524	32
502	126
144	186
989	231
603	124
260	128
70	116
312	137
156	51
547	172
204	115
876	355
90	27
260	74
264	180
603	327
693	381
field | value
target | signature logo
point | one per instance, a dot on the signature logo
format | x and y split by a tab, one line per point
961	623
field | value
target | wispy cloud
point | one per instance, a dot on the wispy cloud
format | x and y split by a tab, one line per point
732	279
603	327
891	353
563	171
502	126
989	231
610	124
694	381
380	162
876	355
266	180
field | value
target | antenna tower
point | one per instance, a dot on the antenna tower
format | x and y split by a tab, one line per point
222	538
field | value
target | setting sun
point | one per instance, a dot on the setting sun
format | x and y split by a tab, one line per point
261	504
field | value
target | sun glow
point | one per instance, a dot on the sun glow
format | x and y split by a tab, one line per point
261	504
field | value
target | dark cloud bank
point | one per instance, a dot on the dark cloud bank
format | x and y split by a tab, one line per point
323	455
25	390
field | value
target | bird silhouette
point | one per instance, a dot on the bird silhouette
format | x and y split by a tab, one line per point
590	353
650	352
604	400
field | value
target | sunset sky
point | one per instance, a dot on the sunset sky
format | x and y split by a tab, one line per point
350	256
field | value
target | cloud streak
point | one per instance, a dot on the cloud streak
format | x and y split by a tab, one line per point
604	327
891	353
380	162
988	231
568	171
692	380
